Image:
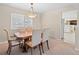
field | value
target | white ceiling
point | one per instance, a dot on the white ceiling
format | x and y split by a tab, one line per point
42	7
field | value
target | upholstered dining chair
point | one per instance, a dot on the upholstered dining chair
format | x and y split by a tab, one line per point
45	37
12	42
35	40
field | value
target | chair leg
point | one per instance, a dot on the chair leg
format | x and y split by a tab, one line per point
47	44
42	47
20	45
40	50
31	51
24	47
9	50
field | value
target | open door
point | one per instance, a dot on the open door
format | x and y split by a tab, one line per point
69	30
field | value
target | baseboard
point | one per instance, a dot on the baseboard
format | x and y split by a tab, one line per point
3	42
76	48
52	37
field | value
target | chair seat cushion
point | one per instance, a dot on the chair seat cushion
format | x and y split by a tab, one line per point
43	40
29	43
14	43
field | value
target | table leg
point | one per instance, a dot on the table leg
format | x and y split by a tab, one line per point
24	46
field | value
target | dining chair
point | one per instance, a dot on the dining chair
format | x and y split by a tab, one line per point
45	37
35	41
12	42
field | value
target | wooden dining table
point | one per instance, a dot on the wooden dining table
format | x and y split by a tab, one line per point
23	36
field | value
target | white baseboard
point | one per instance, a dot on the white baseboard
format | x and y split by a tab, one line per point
76	48
3	42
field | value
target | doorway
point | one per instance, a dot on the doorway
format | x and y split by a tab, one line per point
69	30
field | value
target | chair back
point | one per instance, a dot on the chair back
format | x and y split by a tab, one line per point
36	37
7	34
45	35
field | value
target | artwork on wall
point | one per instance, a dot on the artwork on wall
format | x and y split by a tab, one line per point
20	21
17	21
28	22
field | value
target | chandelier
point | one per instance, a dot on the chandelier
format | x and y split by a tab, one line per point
32	14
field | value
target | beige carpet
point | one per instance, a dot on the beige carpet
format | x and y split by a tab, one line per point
57	47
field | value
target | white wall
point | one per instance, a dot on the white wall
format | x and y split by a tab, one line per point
52	20
5	19
72	15
77	33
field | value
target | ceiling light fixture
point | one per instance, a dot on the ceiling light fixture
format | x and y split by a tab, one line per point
32	14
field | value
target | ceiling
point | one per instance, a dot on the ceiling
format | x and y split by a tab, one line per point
42	7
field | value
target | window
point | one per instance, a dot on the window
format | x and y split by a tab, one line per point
20	21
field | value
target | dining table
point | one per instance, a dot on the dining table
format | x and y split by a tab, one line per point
23	36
